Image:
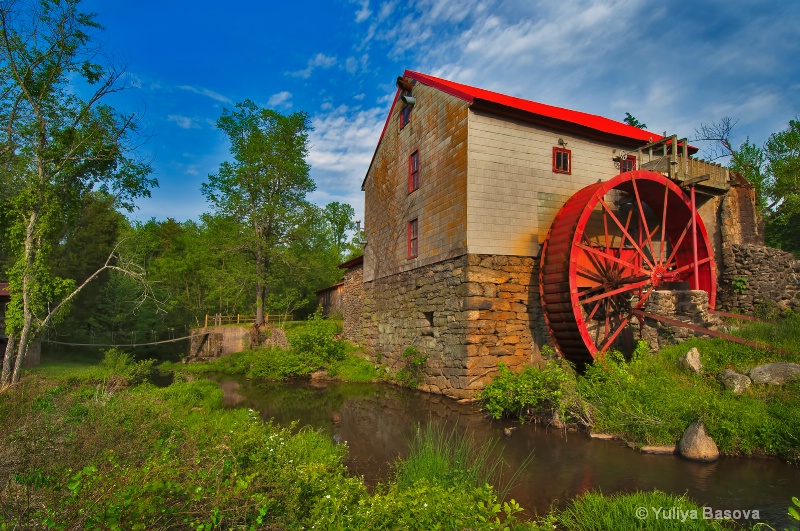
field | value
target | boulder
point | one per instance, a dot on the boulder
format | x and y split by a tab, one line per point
775	373
691	361
733	381
696	445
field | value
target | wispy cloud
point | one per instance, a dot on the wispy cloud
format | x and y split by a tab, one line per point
364	13
184	122
280	99
320	60
207	92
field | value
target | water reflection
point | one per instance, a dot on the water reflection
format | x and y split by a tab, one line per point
377	421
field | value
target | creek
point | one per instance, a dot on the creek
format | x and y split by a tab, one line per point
377	422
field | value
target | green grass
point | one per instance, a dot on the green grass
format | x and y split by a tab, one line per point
654	510
650	401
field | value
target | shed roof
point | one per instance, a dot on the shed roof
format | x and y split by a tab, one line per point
557	117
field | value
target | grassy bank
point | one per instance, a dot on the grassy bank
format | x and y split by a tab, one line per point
80	450
649	400
313	347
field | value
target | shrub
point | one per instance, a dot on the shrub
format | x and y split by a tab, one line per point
317	341
549	390
120	363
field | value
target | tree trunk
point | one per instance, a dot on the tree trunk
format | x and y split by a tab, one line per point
8	361
27	313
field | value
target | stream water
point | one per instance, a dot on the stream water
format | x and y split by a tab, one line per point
377	421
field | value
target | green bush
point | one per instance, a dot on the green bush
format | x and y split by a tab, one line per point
547	391
120	363
317	341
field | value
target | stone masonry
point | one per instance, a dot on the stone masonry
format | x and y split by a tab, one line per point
467	314
690	306
214	341
759	280
352	302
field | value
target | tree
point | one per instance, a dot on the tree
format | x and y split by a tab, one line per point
339	217
56	146
773	171
631	120
265	186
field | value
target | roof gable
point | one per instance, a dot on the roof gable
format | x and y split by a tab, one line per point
502	104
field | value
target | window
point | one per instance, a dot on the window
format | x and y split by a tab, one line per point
413	238
413	172
405	114
627	164
562	160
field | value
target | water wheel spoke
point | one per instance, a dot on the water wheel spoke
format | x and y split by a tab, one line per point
591	275
600	267
677	246
594	310
610	340
617	291
663	227
624	231
643	218
606	256
690	265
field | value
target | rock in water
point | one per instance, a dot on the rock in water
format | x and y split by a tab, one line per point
775	373
733	381
691	361
696	445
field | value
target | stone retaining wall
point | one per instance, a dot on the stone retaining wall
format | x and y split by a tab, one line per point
759	280
467	314
690	306
215	341
352	303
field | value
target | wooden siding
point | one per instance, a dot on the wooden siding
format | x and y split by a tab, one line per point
438	130
513	193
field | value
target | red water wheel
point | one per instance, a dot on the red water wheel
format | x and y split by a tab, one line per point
610	246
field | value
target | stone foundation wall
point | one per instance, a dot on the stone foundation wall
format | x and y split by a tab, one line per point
466	314
759	280
215	341
690	306
352	304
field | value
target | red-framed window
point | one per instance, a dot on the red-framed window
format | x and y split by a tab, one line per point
413	172
405	114
413	238
627	164
562	160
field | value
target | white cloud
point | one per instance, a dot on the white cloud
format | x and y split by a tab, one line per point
184	122
207	92
364	13
320	60
281	98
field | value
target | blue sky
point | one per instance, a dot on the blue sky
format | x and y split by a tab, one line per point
673	65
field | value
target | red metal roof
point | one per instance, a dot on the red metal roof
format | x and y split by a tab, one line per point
4	289
592	121
499	102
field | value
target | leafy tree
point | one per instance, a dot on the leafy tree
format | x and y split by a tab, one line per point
631	120
773	171
340	220
265	186
56	146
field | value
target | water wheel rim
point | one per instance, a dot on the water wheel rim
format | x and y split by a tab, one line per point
564	252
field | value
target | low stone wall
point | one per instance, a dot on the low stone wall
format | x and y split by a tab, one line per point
466	314
215	341
759	280
690	306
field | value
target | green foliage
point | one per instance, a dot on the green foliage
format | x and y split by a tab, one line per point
739	285
317	341
631	120
637	510
354	368
119	363
533	391
57	148
794	512
414	371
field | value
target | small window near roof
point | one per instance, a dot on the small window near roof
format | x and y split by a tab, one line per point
627	164
413	172
562	160
405	114
413	238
